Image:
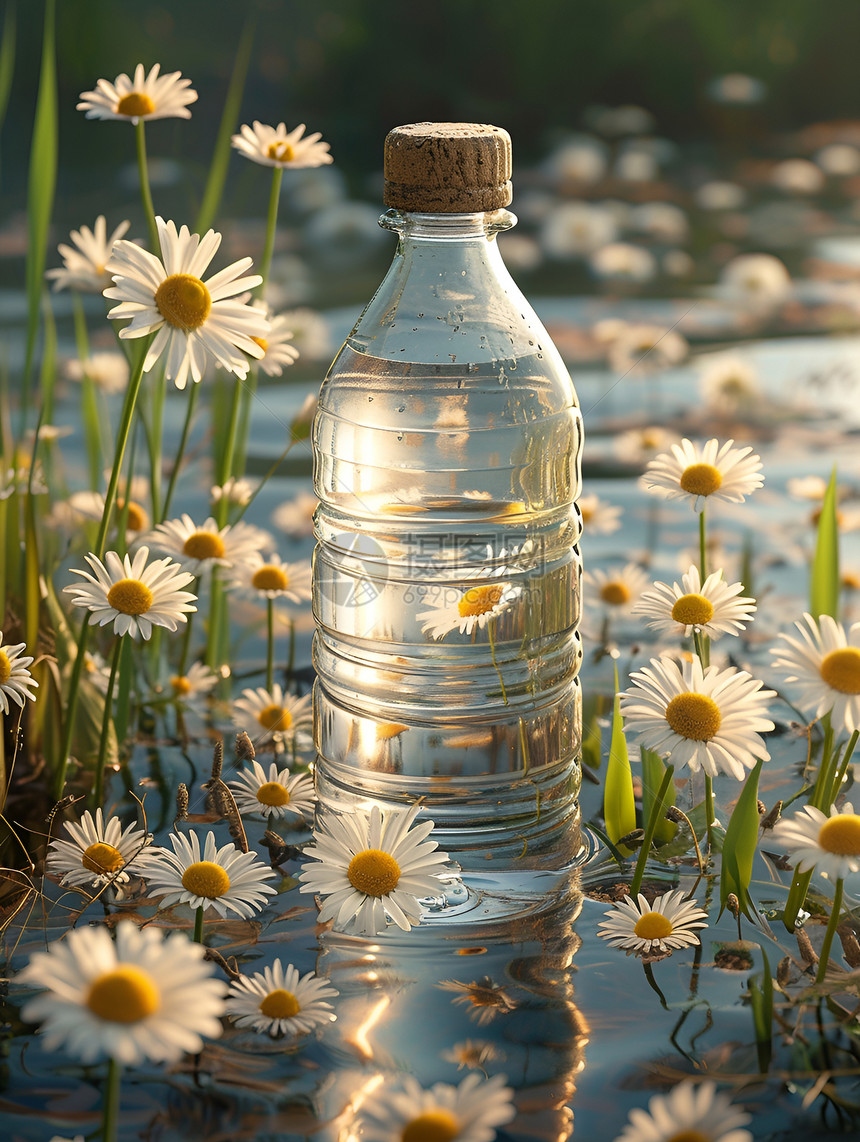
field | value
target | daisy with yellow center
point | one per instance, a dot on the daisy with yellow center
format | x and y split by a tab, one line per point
91	505
701	472
273	715
712	608
279	352
108	370
151	96
467	609
201	546
616	588
84	262
198	681
469	1112
194	320
99	853
134	595
689	1113
269	577
664	926
275	794
599	517
136	998
708	719
278	147
372	868
15	679
826	842
824	662
225	878
278	1001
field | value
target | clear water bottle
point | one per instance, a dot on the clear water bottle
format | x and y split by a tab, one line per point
447	449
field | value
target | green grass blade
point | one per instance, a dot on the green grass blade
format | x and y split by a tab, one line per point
619	806
40	192
739	846
7	59
761	1004
229	121
824	580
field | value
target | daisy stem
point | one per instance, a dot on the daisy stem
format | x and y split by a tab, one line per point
650	826
271	228
833	789
98	789
145	192
831	931
213	634
225	470
193	390
291	651
110	1108
186	636
703	546
709	807
823	780
270	644
89	404
198	925
652	983
490	635
154	441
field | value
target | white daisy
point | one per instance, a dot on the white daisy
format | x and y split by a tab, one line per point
269	715
296	517
279	1001
197	681
827	842
617	587
99	853
200	546
151	96
712	607
133	595
278	147
273	794
229	880
599	517
192	319
108	371
713	470
697	1113
825	662
469	1112
639	445
373	867
759	281
664	926
236	490
709	719
728	383
84	267
646	348
91	505
278	350
140	997
622	261
468	610
271	578
15	678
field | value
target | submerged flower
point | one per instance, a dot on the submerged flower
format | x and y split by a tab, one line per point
84	267
151	96
825	662
273	714
271	578
714	470
229	880
469	1112
279	1001
711	607
373	867
708	719
99	852
198	547
617	588
827	842
278	147
15	678
133	595
273	794
142	996
664	926
192	319
484	996
469	610
688	1114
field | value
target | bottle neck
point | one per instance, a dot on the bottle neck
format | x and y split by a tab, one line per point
411	225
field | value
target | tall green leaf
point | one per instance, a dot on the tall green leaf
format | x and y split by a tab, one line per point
761	1004
40	191
7	59
824	580
739	846
652	778
619	806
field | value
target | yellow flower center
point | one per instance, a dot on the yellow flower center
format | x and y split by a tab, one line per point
204	545
841	835
280	1004
615	593
205	878
262	342
373	872
690	1136
270	578
5	668
125	995
694	716
840	669
180	685
587	513
135	104
693	610
273	793
653	926
432	1126
137	519
102	858
479	600
275	718
130	596
183	301
701	479
387	730
280	151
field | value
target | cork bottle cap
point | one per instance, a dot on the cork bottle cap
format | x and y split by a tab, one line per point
447	168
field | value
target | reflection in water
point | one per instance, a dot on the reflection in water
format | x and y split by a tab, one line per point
495	998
